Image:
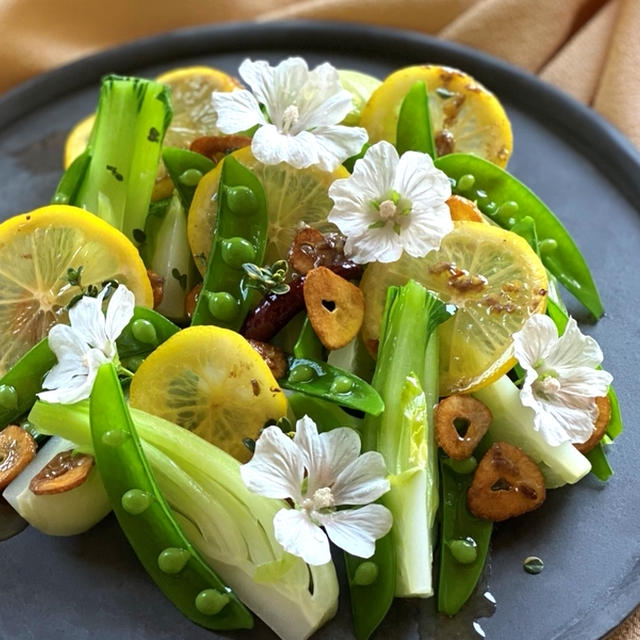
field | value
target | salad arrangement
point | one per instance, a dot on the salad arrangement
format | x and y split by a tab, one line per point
357	338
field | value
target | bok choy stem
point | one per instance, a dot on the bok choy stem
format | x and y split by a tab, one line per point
228	524
406	377
124	146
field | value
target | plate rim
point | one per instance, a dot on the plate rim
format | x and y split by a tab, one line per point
582	128
555	108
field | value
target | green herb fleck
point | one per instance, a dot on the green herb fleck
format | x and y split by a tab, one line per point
180	277
115	173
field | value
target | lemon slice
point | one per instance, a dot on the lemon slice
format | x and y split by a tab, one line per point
465	116
210	381
36	251
193	115
494	278
78	139
293	196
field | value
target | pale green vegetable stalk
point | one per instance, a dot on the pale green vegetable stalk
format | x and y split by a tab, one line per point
166	251
513	423
125	144
406	377
230	526
59	514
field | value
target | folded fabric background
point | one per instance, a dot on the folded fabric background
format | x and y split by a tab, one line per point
588	48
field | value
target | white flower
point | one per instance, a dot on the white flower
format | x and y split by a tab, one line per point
85	345
297	112
562	381
390	205
320	472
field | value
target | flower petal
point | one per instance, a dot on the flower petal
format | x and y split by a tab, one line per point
299	536
376	245
65	342
559	423
277	467
272	147
324	101
574	349
259	76
534	340
74	388
87	320
362	481
418	179
356	530
326	454
119	312
334	144
426	229
236	110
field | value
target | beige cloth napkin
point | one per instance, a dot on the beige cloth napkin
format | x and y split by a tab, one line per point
589	48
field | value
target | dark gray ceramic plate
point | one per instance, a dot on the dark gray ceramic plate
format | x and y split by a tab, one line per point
91	586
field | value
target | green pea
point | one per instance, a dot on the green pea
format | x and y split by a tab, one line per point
236	251
466	182
508	209
222	306
173	560
242	200
115	437
144	331
211	601
464	551
190	177
301	373
490	208
548	245
533	565
8	396
342	384
365	574
136	501
462	466
133	363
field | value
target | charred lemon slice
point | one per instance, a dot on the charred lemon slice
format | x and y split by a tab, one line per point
293	196
465	116
494	278
211	381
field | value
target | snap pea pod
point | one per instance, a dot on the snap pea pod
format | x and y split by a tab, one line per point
145	331
185	169
526	228
71	180
146	519
240	237
19	385
321	380
326	415
506	200
413	131
615	426
372	581
308	344
600	466
372	586
464	539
